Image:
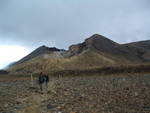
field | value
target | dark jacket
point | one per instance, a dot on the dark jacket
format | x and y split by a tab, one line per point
41	79
46	78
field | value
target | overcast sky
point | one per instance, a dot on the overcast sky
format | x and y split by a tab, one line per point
60	23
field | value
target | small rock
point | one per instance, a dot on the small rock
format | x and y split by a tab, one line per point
49	106
136	94
59	112
6	105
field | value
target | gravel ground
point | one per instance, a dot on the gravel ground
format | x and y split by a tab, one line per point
86	94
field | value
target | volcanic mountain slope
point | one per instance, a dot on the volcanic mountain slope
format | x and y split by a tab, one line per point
39	51
96	51
97	42
132	52
143	49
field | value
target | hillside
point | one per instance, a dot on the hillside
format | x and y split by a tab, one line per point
143	48
95	52
39	51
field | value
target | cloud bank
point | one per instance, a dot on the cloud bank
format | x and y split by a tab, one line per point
32	23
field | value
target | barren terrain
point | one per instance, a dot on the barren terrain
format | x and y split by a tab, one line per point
84	94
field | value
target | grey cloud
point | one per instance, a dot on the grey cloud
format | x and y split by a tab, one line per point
64	22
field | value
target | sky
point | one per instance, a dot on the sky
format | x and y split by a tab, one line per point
28	24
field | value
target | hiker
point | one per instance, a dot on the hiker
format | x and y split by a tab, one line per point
46	80
41	80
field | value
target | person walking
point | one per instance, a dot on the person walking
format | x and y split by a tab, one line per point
46	80
41	80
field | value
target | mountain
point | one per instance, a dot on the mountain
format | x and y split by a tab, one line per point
97	42
39	51
132	52
143	49
96	51
143	44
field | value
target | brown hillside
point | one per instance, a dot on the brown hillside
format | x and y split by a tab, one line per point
95	52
